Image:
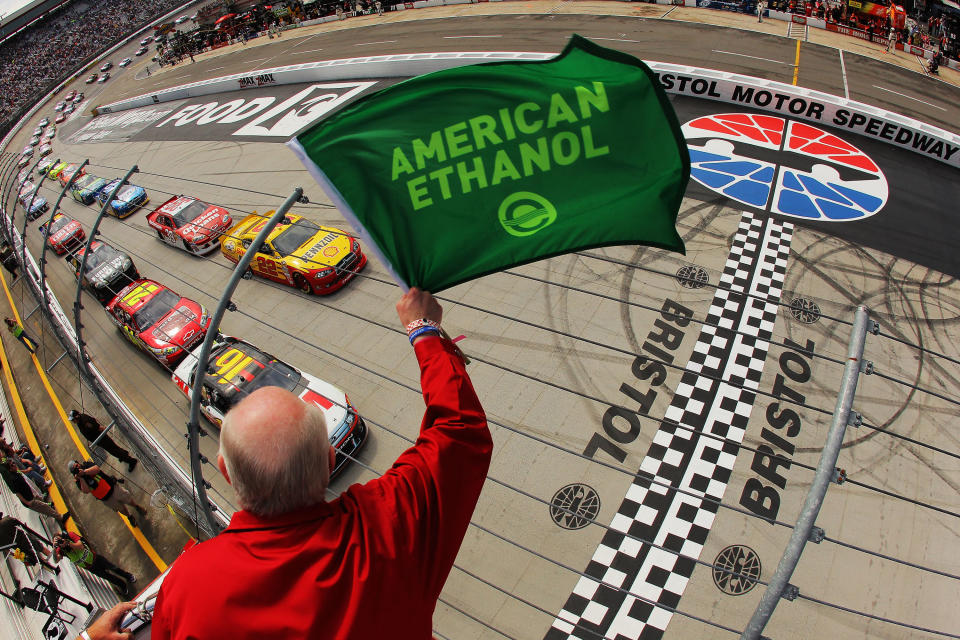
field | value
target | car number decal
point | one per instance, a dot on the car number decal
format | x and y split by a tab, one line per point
233	364
266	266
139	293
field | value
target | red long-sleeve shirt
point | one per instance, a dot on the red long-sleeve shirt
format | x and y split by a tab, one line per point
369	564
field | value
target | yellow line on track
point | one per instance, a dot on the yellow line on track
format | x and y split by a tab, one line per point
55	494
796	65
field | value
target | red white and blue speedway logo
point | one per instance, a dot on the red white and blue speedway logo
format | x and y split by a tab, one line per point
784	167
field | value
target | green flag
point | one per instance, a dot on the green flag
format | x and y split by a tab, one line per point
464	172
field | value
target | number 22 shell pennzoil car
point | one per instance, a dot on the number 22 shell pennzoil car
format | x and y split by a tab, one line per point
190	224
126	201
299	253
64	233
158	320
236	368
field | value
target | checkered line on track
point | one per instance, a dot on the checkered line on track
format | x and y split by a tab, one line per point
732	346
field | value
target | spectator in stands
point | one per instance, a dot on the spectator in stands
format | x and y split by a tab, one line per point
90	478
76	549
26	462
21	488
32	547
384	547
35	59
91	430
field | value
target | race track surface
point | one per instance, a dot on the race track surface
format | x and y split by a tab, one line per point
587	362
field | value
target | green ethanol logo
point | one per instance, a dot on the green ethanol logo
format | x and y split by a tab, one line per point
524	213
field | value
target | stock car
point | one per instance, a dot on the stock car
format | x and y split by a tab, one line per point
90	80
43	122
299	253
59	106
35	140
51	133
67	172
141	51
60	118
33	203
45	150
43	165
86	189
27	151
37	132
126	201
236	368
23	161
181	19
56	169
125	62
106	66
67	110
77	99
146	41
158	320
103	78
70	96
190	224
107	272
65	233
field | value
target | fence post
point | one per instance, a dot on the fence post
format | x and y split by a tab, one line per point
822	478
204	354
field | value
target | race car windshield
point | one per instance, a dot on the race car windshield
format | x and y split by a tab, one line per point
157	307
294	236
101	255
236	373
189	213
127	193
58	224
85	181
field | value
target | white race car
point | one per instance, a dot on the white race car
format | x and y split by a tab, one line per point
125	62
236	368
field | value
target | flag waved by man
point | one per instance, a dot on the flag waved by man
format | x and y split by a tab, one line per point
468	171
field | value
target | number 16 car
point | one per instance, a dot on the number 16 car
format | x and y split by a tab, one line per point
299	253
237	368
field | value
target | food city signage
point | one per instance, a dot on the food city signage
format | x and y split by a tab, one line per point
805	104
264	116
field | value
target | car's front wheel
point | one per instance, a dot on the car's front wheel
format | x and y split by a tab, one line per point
301	283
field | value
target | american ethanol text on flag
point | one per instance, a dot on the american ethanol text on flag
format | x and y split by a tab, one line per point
429	164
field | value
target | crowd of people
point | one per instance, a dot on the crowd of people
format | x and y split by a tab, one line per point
37	58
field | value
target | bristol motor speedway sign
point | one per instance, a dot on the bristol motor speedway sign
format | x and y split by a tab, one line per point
804	104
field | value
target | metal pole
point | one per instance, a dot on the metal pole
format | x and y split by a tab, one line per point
4	196
193	425
53	212
100	435
26	214
11	161
822	478
77	306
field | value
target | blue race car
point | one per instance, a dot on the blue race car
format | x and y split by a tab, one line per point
86	188
37	203
128	199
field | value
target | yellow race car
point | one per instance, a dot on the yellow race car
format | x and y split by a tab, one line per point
298	253
57	169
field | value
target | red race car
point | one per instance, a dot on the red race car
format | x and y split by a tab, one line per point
158	320
65	233
190	224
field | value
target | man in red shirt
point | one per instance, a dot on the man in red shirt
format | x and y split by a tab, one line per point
369	564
